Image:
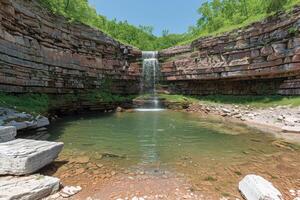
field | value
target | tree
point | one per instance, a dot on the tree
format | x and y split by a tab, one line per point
165	32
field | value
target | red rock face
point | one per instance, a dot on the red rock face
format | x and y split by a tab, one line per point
40	52
260	59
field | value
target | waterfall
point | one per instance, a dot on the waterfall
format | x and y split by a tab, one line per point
150	78
150	71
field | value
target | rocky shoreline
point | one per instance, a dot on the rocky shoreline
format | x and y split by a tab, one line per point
281	121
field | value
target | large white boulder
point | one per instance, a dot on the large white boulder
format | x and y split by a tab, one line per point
21	156
7	133
32	187
254	187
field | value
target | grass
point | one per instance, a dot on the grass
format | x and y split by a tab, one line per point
41	103
31	103
254	101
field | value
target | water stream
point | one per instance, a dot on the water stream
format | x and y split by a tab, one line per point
149	81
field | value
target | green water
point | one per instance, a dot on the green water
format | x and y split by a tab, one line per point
164	138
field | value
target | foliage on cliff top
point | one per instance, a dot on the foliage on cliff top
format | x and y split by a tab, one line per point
216	16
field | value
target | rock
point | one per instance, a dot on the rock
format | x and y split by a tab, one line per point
81	160
18	125
254	187
69	191
42	122
280	118
226	110
7	133
291	129
119	109
32	187
80	171
21	156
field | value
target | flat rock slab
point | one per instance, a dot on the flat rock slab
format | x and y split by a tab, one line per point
7	133
21	156
255	187
32	187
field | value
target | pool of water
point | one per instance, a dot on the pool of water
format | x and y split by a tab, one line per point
213	153
146	138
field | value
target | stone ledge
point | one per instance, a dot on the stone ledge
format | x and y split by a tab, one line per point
21	156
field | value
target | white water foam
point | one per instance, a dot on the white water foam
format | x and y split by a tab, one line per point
149	109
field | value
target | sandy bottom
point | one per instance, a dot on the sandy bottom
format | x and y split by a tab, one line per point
189	180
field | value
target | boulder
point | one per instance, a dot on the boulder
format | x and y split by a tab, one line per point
7	133
254	187
32	187
42	122
21	156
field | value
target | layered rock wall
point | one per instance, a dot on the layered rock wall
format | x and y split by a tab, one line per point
41	52
263	58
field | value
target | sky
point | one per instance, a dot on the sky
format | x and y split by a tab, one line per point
173	15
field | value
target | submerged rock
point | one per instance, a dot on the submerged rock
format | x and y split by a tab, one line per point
21	156
32	187
7	133
254	187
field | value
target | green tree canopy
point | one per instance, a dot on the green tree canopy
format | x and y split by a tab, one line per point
215	16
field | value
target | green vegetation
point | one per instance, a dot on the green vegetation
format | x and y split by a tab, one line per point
42	103
31	103
254	101
216	16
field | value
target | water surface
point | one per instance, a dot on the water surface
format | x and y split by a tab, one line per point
165	137
214	154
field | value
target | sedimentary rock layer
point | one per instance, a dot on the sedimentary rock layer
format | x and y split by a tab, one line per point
21	156
263	58
42	52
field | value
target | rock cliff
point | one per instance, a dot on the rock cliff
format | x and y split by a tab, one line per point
42	52
263	58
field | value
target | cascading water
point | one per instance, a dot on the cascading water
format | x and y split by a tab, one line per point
149	81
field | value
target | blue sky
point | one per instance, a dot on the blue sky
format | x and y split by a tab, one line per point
174	15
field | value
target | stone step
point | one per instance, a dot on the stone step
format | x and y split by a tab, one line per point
32	187
7	133
21	156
